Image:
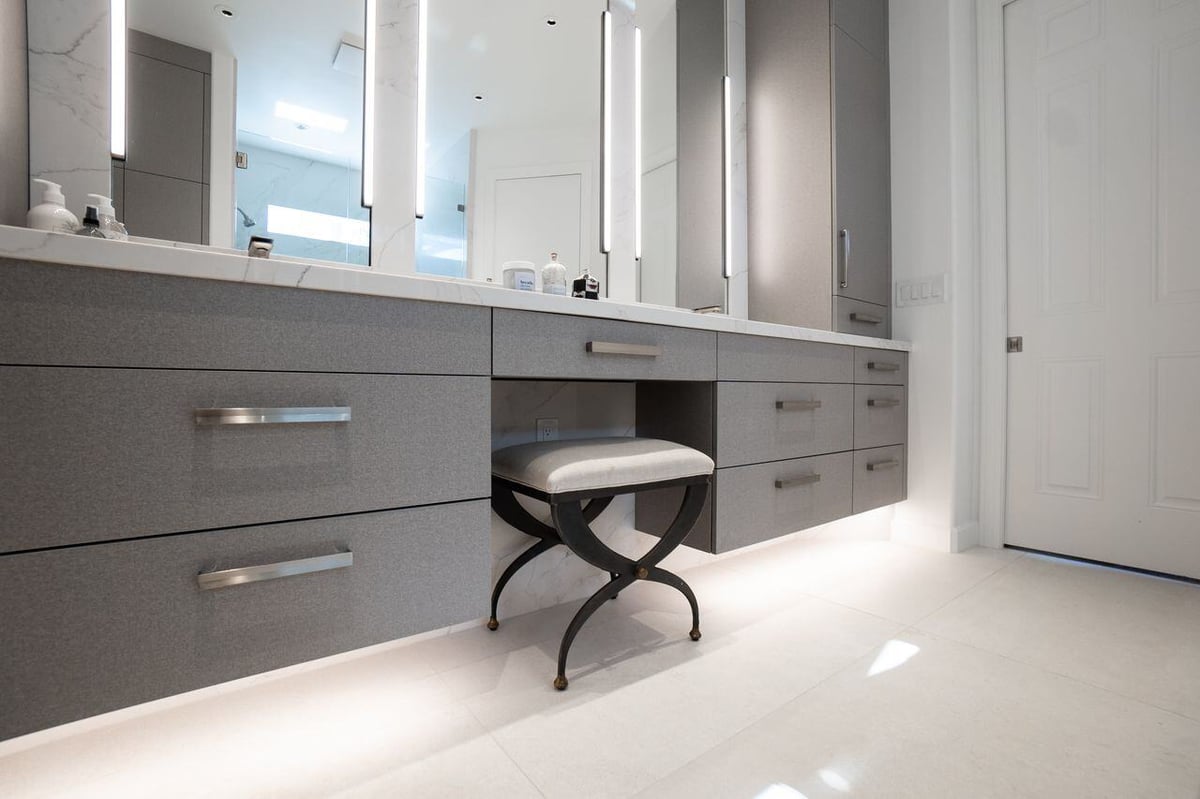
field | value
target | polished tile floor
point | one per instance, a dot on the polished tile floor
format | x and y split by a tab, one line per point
826	669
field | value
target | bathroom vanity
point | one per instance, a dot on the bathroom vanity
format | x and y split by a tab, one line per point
185	429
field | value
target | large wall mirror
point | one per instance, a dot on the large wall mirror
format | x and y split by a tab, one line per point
683	153
242	118
513	137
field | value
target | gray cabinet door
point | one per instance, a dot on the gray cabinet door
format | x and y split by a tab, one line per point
863	240
866	21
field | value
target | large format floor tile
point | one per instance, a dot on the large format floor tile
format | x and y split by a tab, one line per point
1134	634
923	717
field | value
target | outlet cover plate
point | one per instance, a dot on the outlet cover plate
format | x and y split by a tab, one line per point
547	429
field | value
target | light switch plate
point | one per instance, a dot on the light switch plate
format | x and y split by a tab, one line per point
922	291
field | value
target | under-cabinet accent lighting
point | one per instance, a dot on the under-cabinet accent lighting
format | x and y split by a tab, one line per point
637	144
368	159
285	221
727	173
606	132
117	77
422	90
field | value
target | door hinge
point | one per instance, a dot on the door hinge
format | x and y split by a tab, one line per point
242	160
1016	343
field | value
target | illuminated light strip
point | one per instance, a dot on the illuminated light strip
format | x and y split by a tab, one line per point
637	144
368	169
422	89
606	132
284	221
117	133
727	167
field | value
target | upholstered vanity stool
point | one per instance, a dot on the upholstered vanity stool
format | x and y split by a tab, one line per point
567	474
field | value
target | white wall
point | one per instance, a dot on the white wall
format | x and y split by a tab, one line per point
934	231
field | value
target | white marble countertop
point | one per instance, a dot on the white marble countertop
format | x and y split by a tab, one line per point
165	258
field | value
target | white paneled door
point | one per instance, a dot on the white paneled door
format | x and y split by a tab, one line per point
1103	142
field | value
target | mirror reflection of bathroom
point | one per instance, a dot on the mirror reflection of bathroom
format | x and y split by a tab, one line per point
245	118
683	64
512	137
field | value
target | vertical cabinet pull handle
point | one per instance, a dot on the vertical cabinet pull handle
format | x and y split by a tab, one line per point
844	265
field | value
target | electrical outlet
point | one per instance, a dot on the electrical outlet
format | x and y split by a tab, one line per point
547	429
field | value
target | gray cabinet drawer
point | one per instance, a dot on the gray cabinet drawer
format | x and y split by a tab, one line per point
861	318
758	422
95	628
528	344
743	357
83	316
751	507
880	416
880	367
102	454
879	477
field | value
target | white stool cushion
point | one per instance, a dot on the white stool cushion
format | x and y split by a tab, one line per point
589	464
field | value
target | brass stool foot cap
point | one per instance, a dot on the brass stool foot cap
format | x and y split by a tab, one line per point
493	625
560	682
695	635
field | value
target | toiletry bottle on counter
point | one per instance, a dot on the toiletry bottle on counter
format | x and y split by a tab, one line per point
51	214
91	224
554	277
109	226
519	275
586	286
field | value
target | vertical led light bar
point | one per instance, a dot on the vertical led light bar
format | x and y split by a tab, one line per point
368	159
727	173
637	144
422	92
606	132
116	72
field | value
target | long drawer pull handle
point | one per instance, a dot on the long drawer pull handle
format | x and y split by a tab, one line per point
800	480
883	403
879	466
866	318
273	571
613	348
797	405
883	366
211	417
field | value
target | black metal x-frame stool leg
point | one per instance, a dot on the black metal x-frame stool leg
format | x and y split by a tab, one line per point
572	527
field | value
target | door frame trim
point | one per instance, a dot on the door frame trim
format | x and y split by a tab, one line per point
993	278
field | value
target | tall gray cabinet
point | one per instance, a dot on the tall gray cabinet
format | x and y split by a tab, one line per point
819	164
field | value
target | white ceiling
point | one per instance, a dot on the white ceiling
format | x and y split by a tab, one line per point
285	51
531	75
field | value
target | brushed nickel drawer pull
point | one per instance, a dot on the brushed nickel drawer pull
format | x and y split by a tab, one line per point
883	403
883	366
865	318
613	348
800	480
879	466
797	405
211	417
273	571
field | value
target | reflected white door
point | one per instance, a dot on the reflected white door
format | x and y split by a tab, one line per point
1103	127
535	216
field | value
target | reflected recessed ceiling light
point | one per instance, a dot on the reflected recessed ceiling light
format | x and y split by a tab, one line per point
308	118
225	11
551	21
479	98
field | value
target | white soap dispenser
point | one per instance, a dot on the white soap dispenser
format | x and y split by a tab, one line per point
554	277
109	226
51	214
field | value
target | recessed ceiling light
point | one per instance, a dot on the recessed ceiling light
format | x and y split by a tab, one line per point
551	21
479	98
225	11
308	118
